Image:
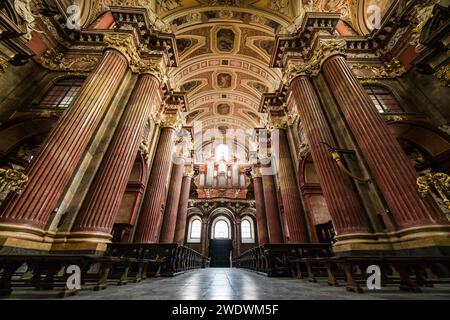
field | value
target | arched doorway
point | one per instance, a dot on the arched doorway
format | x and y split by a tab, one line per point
221	245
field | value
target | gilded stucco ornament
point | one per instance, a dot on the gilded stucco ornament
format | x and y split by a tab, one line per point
55	61
3	65
311	67
12	180
389	70
172	121
303	150
144	150
125	44
277	122
443	74
188	171
256	172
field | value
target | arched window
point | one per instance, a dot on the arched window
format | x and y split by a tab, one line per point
221	229
195	230
247	230
62	93
383	99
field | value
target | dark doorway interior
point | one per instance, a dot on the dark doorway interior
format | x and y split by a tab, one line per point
220	253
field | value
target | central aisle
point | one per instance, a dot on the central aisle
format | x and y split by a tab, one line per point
236	284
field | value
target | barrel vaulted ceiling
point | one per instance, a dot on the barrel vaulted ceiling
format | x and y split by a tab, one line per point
225	46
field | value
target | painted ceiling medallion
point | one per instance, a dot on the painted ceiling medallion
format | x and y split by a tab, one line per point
224	80
223	109
225	40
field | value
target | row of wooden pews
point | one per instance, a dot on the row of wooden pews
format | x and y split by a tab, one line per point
408	273
316	261
120	264
273	259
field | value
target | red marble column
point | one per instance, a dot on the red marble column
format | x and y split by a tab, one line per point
387	161
342	200
148	226
102	204
263	236
180	228
293	209
53	167
275	233
173	199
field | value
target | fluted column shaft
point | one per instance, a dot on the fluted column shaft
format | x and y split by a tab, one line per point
180	228
263	236
342	200
173	199
387	161
57	160
147	230
102	204
275	233
293	209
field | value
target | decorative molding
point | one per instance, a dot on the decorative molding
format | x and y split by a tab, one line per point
388	70
55	61
311	68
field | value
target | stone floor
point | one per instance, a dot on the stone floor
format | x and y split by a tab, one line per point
238	284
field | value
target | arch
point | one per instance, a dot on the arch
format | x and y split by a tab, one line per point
194	234
434	143
221	228
248	229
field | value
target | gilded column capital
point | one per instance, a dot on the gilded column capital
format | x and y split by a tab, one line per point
124	44
277	122
171	121
188	171
256	172
311	68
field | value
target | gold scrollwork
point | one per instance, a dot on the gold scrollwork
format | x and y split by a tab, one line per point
3	65
56	61
388	70
124	43
311	68
443	74
441	183
12	180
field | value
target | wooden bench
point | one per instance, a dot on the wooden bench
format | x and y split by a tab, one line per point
409	273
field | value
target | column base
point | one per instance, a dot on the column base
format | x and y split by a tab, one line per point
427	241
26	240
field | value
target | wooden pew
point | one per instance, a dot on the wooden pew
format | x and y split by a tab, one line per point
409	273
46	272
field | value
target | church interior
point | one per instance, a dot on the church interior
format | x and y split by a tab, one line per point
224	149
